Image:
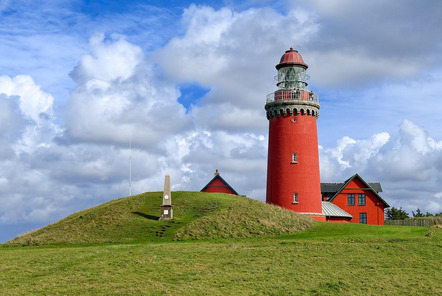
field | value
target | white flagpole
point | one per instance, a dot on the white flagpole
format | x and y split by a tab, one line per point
130	166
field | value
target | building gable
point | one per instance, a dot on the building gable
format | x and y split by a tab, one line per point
356	182
219	185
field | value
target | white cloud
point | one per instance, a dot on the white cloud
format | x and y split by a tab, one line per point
407	165
119	96
359	44
109	60
349	156
26	116
354	67
33	101
234	56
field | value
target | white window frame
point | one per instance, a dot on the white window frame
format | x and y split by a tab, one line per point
295	198
295	158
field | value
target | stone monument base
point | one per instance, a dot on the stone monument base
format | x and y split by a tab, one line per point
166	212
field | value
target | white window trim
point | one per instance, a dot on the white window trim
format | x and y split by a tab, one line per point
295	158
295	198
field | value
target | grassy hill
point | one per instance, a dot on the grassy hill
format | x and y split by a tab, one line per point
197	215
245	247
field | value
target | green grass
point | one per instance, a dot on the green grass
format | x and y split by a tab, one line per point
358	231
197	215
119	248
347	261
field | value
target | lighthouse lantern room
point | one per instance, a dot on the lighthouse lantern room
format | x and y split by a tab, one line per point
293	161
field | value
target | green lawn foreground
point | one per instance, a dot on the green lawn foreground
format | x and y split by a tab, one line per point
327	259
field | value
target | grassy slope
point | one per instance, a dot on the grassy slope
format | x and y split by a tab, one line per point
197	216
327	259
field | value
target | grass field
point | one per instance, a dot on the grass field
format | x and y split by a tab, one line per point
326	259
401	260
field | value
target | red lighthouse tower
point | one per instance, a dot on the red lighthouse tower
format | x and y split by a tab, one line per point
293	160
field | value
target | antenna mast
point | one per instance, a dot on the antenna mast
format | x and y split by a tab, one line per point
130	166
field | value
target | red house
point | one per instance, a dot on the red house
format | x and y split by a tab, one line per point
359	199
218	184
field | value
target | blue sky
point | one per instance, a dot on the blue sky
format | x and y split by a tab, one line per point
187	82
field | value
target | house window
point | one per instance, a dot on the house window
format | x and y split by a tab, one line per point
363	218
351	199
295	198
361	199
294	158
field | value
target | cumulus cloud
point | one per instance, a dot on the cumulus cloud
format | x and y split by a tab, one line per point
414	156
12	125
234	56
26	116
118	96
25	127
350	155
406	164
34	103
108	60
361	43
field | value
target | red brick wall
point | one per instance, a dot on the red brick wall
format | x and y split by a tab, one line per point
285	178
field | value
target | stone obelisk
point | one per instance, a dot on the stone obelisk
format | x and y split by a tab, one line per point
167	207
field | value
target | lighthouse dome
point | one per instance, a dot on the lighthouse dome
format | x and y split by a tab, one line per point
291	58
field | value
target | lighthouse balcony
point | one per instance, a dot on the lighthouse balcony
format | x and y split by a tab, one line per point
292	95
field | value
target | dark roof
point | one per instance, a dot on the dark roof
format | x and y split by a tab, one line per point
224	181
331	187
334	187
375	188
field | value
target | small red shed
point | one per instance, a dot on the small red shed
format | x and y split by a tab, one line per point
219	185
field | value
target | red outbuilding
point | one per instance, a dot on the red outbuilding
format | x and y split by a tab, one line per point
218	184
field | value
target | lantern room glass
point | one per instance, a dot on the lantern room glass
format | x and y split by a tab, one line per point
292	78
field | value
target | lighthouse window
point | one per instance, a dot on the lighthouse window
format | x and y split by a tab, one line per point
294	158
295	198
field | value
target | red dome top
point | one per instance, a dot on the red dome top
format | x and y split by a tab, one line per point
291	58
